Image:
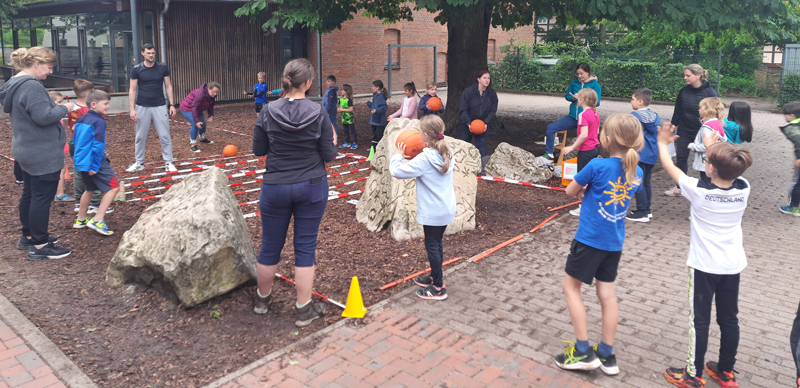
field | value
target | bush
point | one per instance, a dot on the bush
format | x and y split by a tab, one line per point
791	89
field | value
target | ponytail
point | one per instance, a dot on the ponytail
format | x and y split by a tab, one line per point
379	84
622	133
629	163
433	127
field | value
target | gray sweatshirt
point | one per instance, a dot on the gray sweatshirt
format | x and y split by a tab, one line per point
39	138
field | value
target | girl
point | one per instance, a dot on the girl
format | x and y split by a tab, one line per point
409	108
378	118
738	128
423	102
588	125
607	186
348	121
711	112
436	199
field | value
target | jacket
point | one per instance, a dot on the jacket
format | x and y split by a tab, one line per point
379	104
436	198
732	131
260	93
329	99
792	132
297	137
650	123
90	142
474	107
574	87
411	109
423	102
687	109
198	101
699	147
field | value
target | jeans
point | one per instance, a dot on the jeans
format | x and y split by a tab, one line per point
480	140
724	290
377	134
794	189
645	195
433	245
194	131
563	124
682	153
34	205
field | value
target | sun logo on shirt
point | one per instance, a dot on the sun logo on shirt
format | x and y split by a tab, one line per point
618	193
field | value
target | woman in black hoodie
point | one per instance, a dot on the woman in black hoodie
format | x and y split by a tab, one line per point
687	115
297	137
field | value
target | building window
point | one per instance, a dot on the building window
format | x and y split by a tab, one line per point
392	36
68	47
7	41
490	52
773	54
294	43
441	69
99	53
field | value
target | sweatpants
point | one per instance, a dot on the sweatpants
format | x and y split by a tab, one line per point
34	205
480	140
433	245
377	134
794	340
794	189
724	290
158	116
645	195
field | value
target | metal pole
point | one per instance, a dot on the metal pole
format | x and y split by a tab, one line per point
389	62
719	68
163	45
319	63
134	31
434	65
517	67
783	69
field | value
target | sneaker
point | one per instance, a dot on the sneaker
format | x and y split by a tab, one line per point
679	377
49	251
262	304
308	313
345	145
171	167
354	146
795	211
570	359
724	379
93	209
194	148
77	207
423	281
135	167
65	198
78	224
608	364
549	157
433	293
636	216
675	191
25	242
205	141
576	212
100	226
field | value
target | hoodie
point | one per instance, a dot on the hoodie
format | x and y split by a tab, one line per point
379	104
436	198
423	106
198	101
687	109
329	100
574	87
650	123
39	138
297	137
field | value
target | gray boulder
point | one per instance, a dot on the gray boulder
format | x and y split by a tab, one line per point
192	245
512	162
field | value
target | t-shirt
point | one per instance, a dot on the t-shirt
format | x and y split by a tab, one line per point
150	90
715	245
260	93
605	203
74	116
347	117
589	118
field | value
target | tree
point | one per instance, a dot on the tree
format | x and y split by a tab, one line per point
468	21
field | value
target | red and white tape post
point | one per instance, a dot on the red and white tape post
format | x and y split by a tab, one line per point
516	182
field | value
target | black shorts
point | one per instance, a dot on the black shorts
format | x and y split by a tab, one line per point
586	263
258	107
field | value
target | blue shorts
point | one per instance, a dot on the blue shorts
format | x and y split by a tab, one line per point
103	180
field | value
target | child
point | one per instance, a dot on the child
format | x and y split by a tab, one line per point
423	102
738	128
640	102
90	159
606	185
791	112
81	87
716	254
329	101
711	112
348	120
436	199
588	126
378	118
409	108
259	91
60	195
56	97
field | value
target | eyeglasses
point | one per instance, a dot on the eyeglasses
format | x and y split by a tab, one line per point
705	160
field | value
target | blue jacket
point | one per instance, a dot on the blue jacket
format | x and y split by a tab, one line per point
89	137
732	132
423	102
574	87
260	93
436	198
379	104
650	123
329	100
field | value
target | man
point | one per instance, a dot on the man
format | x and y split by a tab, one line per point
147	105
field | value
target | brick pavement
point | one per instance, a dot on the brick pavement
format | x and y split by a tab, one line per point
21	366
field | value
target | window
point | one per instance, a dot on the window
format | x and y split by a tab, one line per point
22	33
98	55
392	36
68	47
6	41
441	68
294	43
490	49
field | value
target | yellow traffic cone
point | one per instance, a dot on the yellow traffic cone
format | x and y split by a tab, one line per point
355	306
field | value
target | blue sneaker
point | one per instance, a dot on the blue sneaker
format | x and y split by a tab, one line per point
795	211
344	145
100	226
354	146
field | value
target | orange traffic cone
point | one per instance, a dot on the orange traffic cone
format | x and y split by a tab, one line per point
355	306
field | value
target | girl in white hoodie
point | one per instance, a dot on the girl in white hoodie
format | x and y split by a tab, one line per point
436	198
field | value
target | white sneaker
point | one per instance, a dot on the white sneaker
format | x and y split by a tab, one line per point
171	167
135	167
555	143
576	212
675	191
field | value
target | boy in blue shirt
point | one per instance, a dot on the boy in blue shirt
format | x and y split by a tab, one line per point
640	102
91	162
330	101
259	91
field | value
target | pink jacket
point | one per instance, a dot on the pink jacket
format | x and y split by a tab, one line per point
411	109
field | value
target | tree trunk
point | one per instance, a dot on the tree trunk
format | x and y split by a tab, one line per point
467	41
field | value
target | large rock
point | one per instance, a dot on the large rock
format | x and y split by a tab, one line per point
512	162
192	245
393	202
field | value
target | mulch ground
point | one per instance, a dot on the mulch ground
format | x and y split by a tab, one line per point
133	337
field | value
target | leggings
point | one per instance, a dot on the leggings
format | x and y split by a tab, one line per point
433	245
34	205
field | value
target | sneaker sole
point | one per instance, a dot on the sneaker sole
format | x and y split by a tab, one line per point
675	382
306	323
435	297
422	284
98	230
44	257
644	219
790	213
716	378
581	365
78	226
195	150
613	371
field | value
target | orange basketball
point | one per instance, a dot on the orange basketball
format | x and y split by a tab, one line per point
230	150
413	141
477	127
435	103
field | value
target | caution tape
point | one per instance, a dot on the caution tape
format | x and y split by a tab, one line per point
347	164
506	180
7	157
342	195
195	162
348	183
218	129
199	157
179	177
350	155
200	168
349	172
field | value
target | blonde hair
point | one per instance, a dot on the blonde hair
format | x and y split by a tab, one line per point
622	132
54	95
697	70
430	85
23	58
590	96
711	107
433	126
261	74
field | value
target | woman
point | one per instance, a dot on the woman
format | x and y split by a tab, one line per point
192	107
687	115
297	137
478	102
583	79
38	146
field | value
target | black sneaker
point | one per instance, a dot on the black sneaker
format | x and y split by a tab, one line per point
571	359
636	216
262	304
206	141
431	292
25	242
49	251
308	313
194	148
423	281
608	364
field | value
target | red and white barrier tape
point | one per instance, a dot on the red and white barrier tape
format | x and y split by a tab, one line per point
199	157
179	177
505	180
219	129
351	155
348	183
191	163
7	157
314	292
347	164
349	172
200	168
342	195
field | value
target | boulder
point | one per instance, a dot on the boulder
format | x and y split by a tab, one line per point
512	162
392	202
192	245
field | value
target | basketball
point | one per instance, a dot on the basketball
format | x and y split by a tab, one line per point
230	150
413	141
477	127
435	103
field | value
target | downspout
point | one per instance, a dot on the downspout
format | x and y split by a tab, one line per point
162	46
319	63
134	31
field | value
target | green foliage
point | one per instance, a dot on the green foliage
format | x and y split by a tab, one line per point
790	91
24	37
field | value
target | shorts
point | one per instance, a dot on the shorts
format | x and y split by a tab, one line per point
586	263
104	180
258	107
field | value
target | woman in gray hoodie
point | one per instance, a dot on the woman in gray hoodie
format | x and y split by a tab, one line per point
38	146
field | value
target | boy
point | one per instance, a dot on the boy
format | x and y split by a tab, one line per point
330	100
791	112
56	97
81	87
90	159
716	254
260	92
640	102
